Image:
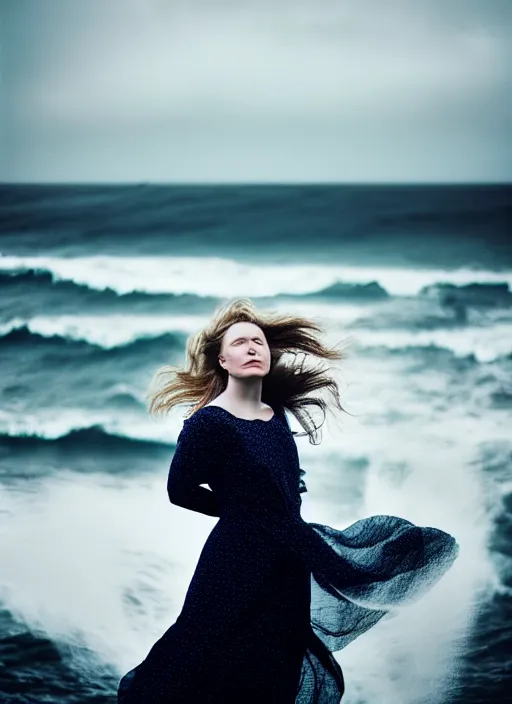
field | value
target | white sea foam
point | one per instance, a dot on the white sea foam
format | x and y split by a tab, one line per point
98	562
215	276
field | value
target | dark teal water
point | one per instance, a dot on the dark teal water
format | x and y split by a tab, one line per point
101	285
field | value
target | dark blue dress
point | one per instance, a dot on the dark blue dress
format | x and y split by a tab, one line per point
273	596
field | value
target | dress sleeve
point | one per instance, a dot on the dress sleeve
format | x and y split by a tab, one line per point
196	452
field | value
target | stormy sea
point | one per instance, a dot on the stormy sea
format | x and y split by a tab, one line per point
102	285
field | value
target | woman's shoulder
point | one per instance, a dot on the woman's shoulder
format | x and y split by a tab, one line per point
201	426
202	416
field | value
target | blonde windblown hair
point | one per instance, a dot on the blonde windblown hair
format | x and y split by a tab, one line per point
288	384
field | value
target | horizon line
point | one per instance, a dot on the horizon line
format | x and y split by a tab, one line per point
254	183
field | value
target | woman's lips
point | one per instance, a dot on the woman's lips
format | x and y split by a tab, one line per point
253	361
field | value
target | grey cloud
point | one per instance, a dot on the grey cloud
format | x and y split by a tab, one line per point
298	82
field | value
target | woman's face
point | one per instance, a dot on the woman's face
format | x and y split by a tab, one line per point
243	343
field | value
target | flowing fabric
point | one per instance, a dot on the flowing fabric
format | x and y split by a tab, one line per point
273	596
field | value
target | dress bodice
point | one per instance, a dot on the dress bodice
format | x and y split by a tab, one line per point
249	465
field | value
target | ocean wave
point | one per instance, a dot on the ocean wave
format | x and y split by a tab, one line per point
457	298
88	438
485	295
148	334
358	291
68	296
485	344
103	333
106	441
32	280
56	424
226	278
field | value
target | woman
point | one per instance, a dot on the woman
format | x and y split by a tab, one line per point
272	596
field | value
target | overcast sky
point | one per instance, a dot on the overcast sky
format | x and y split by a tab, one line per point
256	90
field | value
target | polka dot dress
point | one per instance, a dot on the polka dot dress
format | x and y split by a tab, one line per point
273	596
